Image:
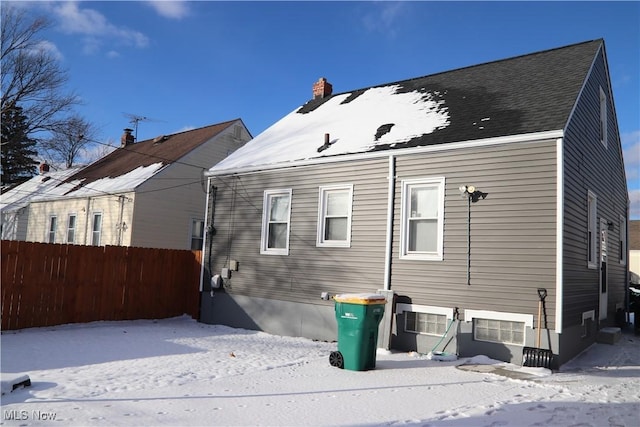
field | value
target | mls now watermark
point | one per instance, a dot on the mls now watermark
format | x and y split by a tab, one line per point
23	415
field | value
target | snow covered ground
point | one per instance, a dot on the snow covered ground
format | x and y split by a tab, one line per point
180	372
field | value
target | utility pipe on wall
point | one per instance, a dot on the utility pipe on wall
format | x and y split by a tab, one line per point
390	206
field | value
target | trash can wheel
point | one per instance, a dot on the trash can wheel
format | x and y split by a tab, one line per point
335	359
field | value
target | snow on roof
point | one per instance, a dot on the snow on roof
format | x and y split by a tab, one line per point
378	116
126	182
20	196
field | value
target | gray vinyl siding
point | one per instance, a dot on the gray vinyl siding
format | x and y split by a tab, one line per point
308	270
512	230
588	165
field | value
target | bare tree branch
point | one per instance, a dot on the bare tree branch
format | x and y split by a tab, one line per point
31	76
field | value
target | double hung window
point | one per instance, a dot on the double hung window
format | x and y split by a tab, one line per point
71	228
197	234
51	234
334	216
422	219
96	229
276	215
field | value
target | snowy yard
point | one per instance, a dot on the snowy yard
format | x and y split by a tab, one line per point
180	372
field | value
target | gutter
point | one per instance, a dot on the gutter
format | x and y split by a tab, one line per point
526	137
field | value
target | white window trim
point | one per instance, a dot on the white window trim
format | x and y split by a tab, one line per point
264	238
93	221
426	256
527	319
320	241
429	309
591	314
603	118
49	231
622	247
592	224
75	228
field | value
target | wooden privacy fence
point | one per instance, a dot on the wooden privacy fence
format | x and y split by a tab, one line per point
50	284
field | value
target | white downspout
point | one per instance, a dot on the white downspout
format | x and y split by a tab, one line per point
206	234
559	232
86	220
390	207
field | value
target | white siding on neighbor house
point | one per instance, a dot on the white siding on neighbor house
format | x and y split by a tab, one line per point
14	224
167	204
114	209
634	262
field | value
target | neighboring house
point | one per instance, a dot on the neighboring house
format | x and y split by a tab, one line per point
146	194
14	203
457	195
634	252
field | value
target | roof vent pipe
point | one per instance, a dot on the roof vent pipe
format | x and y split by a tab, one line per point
326	144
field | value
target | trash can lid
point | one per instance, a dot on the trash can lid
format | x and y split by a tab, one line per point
363	299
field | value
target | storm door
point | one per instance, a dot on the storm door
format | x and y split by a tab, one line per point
603	269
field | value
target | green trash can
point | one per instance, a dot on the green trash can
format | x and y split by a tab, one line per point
358	317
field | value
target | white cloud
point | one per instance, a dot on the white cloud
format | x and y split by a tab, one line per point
383	17
49	48
94	26
170	9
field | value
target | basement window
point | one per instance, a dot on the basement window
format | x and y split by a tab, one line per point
425	323
502	331
500	327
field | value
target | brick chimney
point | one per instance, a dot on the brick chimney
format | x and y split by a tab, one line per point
322	88
127	138
44	168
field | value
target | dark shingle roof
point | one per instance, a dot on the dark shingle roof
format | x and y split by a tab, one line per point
525	94
165	149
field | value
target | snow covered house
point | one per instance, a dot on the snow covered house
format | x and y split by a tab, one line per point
14	203
458	195
146	194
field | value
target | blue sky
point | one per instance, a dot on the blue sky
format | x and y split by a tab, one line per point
190	64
